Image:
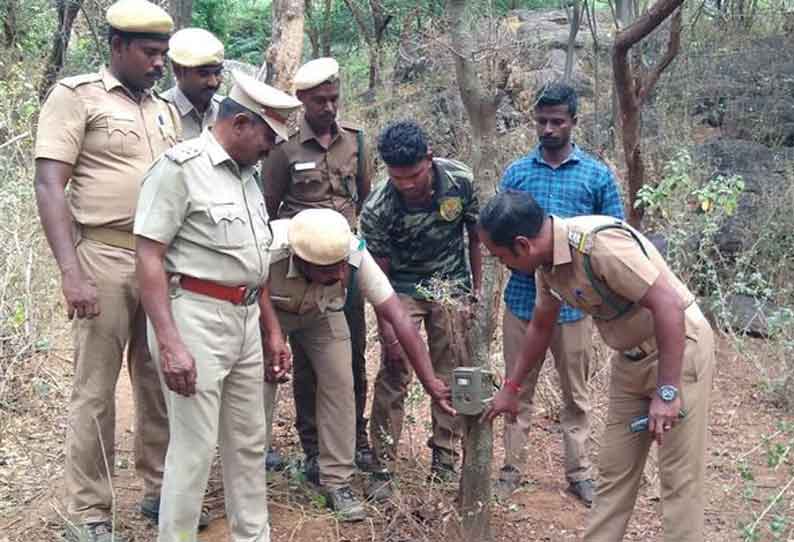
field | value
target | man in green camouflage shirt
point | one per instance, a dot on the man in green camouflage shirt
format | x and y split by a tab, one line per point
414	228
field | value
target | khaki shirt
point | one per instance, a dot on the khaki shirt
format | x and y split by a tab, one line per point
193	122
302	174
291	292
619	262
209	212
93	123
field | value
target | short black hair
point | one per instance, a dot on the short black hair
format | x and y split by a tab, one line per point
229	108
402	143
511	214
552	94
129	37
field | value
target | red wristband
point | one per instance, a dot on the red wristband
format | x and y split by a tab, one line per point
512	387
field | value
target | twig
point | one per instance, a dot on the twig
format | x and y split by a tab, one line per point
15	139
770	506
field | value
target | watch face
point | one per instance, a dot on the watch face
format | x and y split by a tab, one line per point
667	393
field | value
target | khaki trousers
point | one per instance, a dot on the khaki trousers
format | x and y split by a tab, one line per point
571	345
304	382
324	343
100	345
228	409
393	380
682	456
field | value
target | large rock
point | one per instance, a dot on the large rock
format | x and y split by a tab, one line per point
747	91
742	314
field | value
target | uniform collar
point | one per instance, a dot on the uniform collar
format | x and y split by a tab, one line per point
561	249
182	102
574	157
307	132
110	82
218	155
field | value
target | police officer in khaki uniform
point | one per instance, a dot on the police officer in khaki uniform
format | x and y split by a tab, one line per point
97	134
197	58
662	366
202	234
323	165
312	257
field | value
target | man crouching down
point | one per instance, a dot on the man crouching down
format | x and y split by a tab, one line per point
312	259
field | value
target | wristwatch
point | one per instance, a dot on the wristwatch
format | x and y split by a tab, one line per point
667	393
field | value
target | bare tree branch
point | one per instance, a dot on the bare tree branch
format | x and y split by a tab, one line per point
673	46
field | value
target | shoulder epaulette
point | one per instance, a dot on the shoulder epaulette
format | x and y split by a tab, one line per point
77	80
183	152
581	241
352	126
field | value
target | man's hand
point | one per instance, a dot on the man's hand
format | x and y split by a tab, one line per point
504	401
280	359
441	394
80	294
179	369
663	416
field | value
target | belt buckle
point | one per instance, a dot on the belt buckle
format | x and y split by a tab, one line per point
250	296
635	354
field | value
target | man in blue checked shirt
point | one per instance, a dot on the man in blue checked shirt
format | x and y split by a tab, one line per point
566	182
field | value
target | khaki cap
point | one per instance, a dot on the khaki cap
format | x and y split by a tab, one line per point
320	236
273	105
139	16
316	72
191	47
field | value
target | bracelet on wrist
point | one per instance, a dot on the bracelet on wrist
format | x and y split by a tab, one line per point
511	386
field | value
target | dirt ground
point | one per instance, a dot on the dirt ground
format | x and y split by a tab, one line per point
748	465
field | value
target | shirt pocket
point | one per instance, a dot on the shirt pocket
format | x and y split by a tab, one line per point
308	185
230	221
124	137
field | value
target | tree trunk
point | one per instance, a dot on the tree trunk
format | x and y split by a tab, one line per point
311	28
182	13
475	484
10	24
574	19
67	11
286	47
372	27
325	35
632	89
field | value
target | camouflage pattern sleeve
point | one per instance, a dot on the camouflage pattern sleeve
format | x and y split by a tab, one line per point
471	207
373	226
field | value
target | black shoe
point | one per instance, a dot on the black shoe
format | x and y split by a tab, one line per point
311	470
365	460
583	490
380	486
93	532
273	460
347	507
150	508
442	470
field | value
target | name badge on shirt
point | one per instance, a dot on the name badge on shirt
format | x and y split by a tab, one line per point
122	117
303	166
